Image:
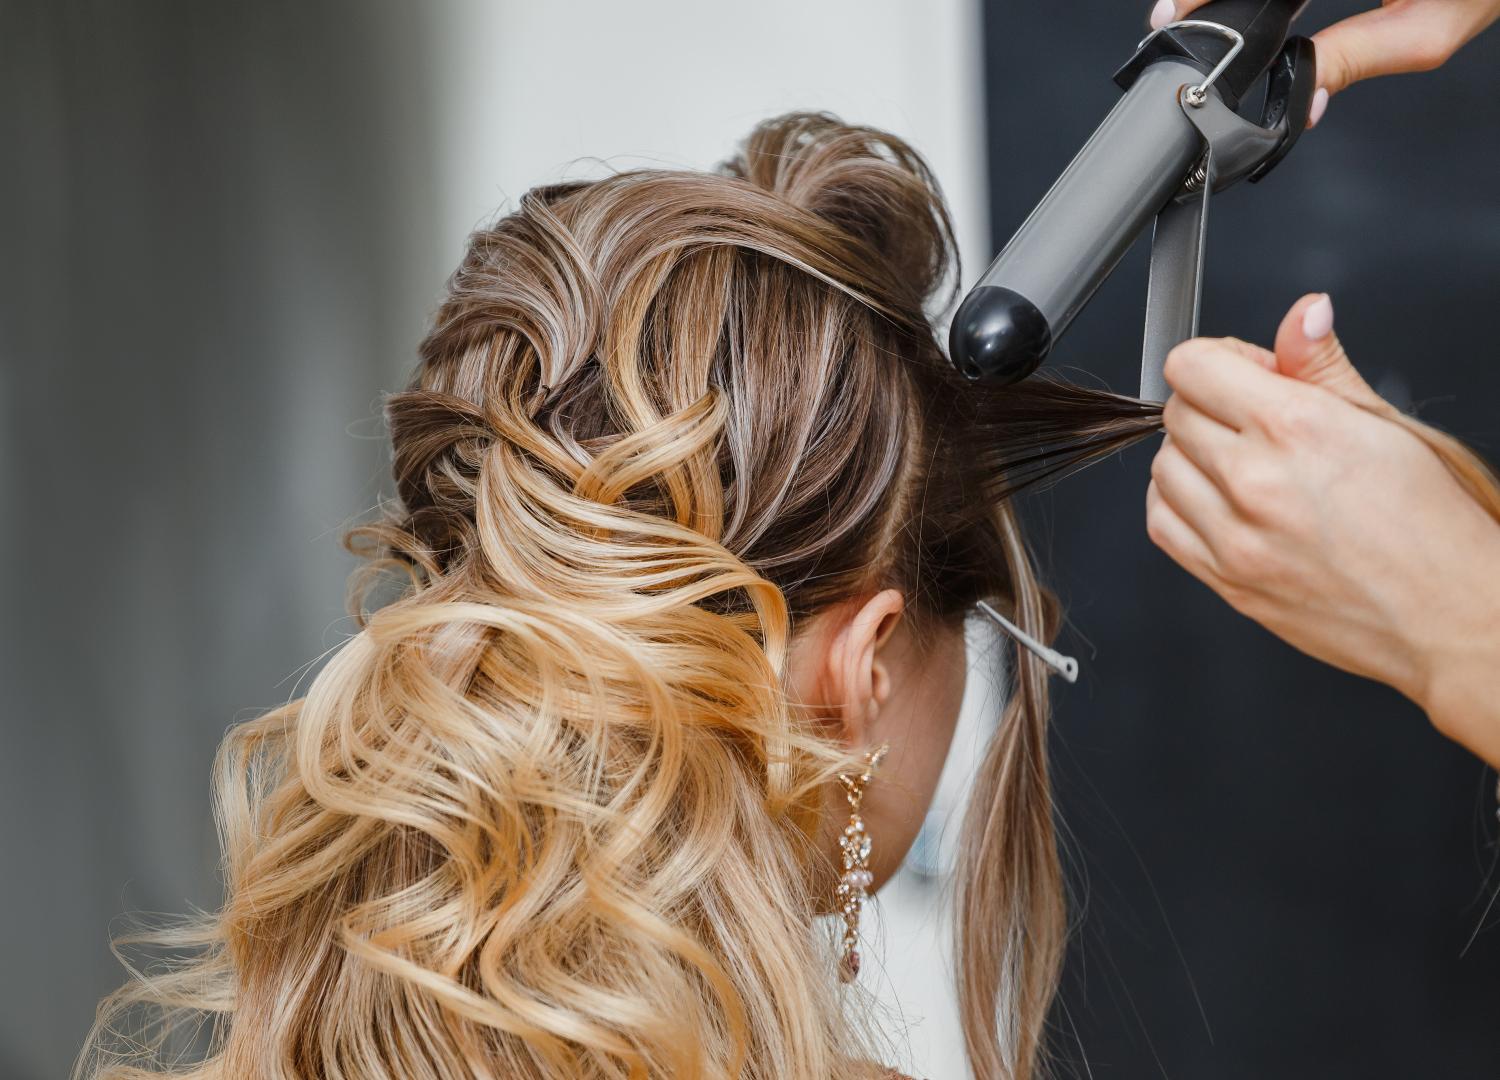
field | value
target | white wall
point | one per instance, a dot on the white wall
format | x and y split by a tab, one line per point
532	86
529	91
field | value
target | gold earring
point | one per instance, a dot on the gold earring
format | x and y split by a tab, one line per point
854	883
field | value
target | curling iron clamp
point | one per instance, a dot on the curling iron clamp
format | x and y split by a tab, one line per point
1172	140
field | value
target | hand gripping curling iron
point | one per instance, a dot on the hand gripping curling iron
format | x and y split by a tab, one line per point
1173	139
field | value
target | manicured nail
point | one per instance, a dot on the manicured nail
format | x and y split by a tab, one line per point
1317	320
1164	12
1319	107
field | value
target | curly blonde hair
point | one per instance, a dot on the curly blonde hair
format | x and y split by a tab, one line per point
549	813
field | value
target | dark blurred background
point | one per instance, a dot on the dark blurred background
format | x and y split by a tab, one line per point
222	228
1285	872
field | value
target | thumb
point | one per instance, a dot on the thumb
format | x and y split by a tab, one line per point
1309	351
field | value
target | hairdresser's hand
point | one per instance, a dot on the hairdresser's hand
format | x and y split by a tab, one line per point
1396	37
1296	493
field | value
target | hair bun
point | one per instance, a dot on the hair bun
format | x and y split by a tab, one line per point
873	185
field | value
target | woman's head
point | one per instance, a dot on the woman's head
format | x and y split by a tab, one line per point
693	508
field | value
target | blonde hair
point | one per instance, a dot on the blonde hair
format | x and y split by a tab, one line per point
549	813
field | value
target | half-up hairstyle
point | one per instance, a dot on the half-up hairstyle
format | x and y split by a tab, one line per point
549	813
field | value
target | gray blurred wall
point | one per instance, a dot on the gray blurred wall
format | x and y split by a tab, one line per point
218	247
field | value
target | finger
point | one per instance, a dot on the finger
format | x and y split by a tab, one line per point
1209	444
1165	11
1176	537
1220	379
1309	351
1389	41
1189	491
1386	40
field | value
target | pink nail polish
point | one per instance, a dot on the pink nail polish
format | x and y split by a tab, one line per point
1319	107
1317	320
1164	12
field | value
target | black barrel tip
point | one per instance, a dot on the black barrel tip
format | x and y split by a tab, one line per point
998	334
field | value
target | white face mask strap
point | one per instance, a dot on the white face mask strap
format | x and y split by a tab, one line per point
1065	666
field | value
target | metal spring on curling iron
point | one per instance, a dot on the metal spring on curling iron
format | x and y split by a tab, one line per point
1199	175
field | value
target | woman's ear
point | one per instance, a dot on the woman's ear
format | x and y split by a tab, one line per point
856	676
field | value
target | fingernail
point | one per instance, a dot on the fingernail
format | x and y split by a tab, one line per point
1317	320
1319	107
1162	13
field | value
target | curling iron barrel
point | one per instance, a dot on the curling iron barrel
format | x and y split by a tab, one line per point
1131	167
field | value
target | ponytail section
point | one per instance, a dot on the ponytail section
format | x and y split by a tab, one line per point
1011	924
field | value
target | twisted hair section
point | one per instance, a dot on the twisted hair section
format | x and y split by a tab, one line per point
550	812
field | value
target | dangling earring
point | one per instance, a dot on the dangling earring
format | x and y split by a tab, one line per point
854	883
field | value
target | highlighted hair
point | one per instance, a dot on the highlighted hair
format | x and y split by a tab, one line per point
549	813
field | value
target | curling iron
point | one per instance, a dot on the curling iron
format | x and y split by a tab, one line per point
1174	138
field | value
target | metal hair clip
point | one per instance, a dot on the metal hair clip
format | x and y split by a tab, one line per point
1065	666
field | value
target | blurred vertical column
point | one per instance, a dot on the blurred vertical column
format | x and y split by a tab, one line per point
535	92
220	242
